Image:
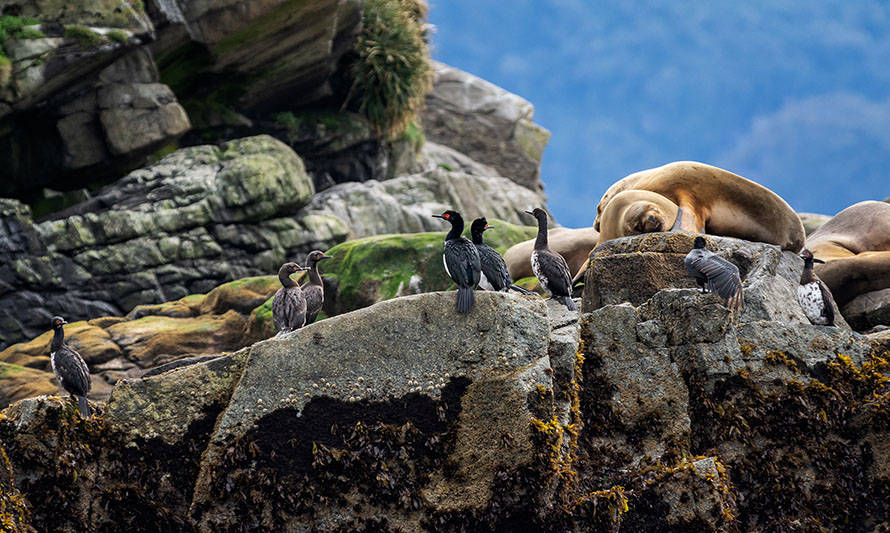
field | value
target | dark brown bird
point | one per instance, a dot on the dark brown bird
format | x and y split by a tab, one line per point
495	275
70	368
313	291
549	267
814	296
714	273
289	304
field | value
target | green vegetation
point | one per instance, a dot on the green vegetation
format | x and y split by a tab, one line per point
85	36
14	28
414	136
392	73
118	36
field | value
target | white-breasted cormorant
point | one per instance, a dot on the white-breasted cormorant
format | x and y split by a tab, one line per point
814	297
461	261
549	267
715	273
313	291
289	304
70	368
495	275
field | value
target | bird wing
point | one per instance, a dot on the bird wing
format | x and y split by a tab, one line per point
723	276
71	365
279	310
462	262
555	265
494	267
314	297
828	299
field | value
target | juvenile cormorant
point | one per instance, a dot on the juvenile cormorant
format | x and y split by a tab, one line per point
814	297
289	304
461	261
495	275
549	267
715	273
70	368
313	291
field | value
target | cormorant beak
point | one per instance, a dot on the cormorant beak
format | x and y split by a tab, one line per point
303	269
817	260
326	257
487	227
439	216
530	213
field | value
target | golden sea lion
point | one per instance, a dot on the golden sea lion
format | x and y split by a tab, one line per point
715	201
634	212
573	244
855	246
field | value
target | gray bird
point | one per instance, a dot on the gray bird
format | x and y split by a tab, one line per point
70	368
495	275
289	304
716	274
313	291
549	267
813	294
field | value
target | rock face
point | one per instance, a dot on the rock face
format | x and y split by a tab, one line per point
868	310
405	419
405	204
149	337
655	261
487	124
670	414
198	217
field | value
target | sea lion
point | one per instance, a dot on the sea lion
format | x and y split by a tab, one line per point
855	246
573	244
710	200
716	201
634	212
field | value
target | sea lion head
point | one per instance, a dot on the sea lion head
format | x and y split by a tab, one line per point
644	217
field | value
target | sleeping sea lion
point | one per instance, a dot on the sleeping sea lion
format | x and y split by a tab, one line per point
634	212
712	200
855	246
573	244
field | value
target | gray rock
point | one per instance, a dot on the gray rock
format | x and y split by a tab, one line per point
199	217
404	205
398	362
868	310
654	262
487	124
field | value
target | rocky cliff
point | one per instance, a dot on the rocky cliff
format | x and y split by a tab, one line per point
658	411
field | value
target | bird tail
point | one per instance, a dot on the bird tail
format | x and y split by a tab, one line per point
517	288
83	405
465	299
568	302
737	301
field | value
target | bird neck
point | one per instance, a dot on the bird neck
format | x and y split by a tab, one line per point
477	237
541	239
807	275
58	340
284	277
314	276
457	227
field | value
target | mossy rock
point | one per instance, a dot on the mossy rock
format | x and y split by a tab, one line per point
18	382
366	271
92	342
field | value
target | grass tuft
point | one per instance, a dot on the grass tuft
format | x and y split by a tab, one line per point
392	73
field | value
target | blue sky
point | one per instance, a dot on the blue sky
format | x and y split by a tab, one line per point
792	94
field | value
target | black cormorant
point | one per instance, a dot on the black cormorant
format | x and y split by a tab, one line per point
495	275
70	368
813	294
549	267
313	291
461	261
715	273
